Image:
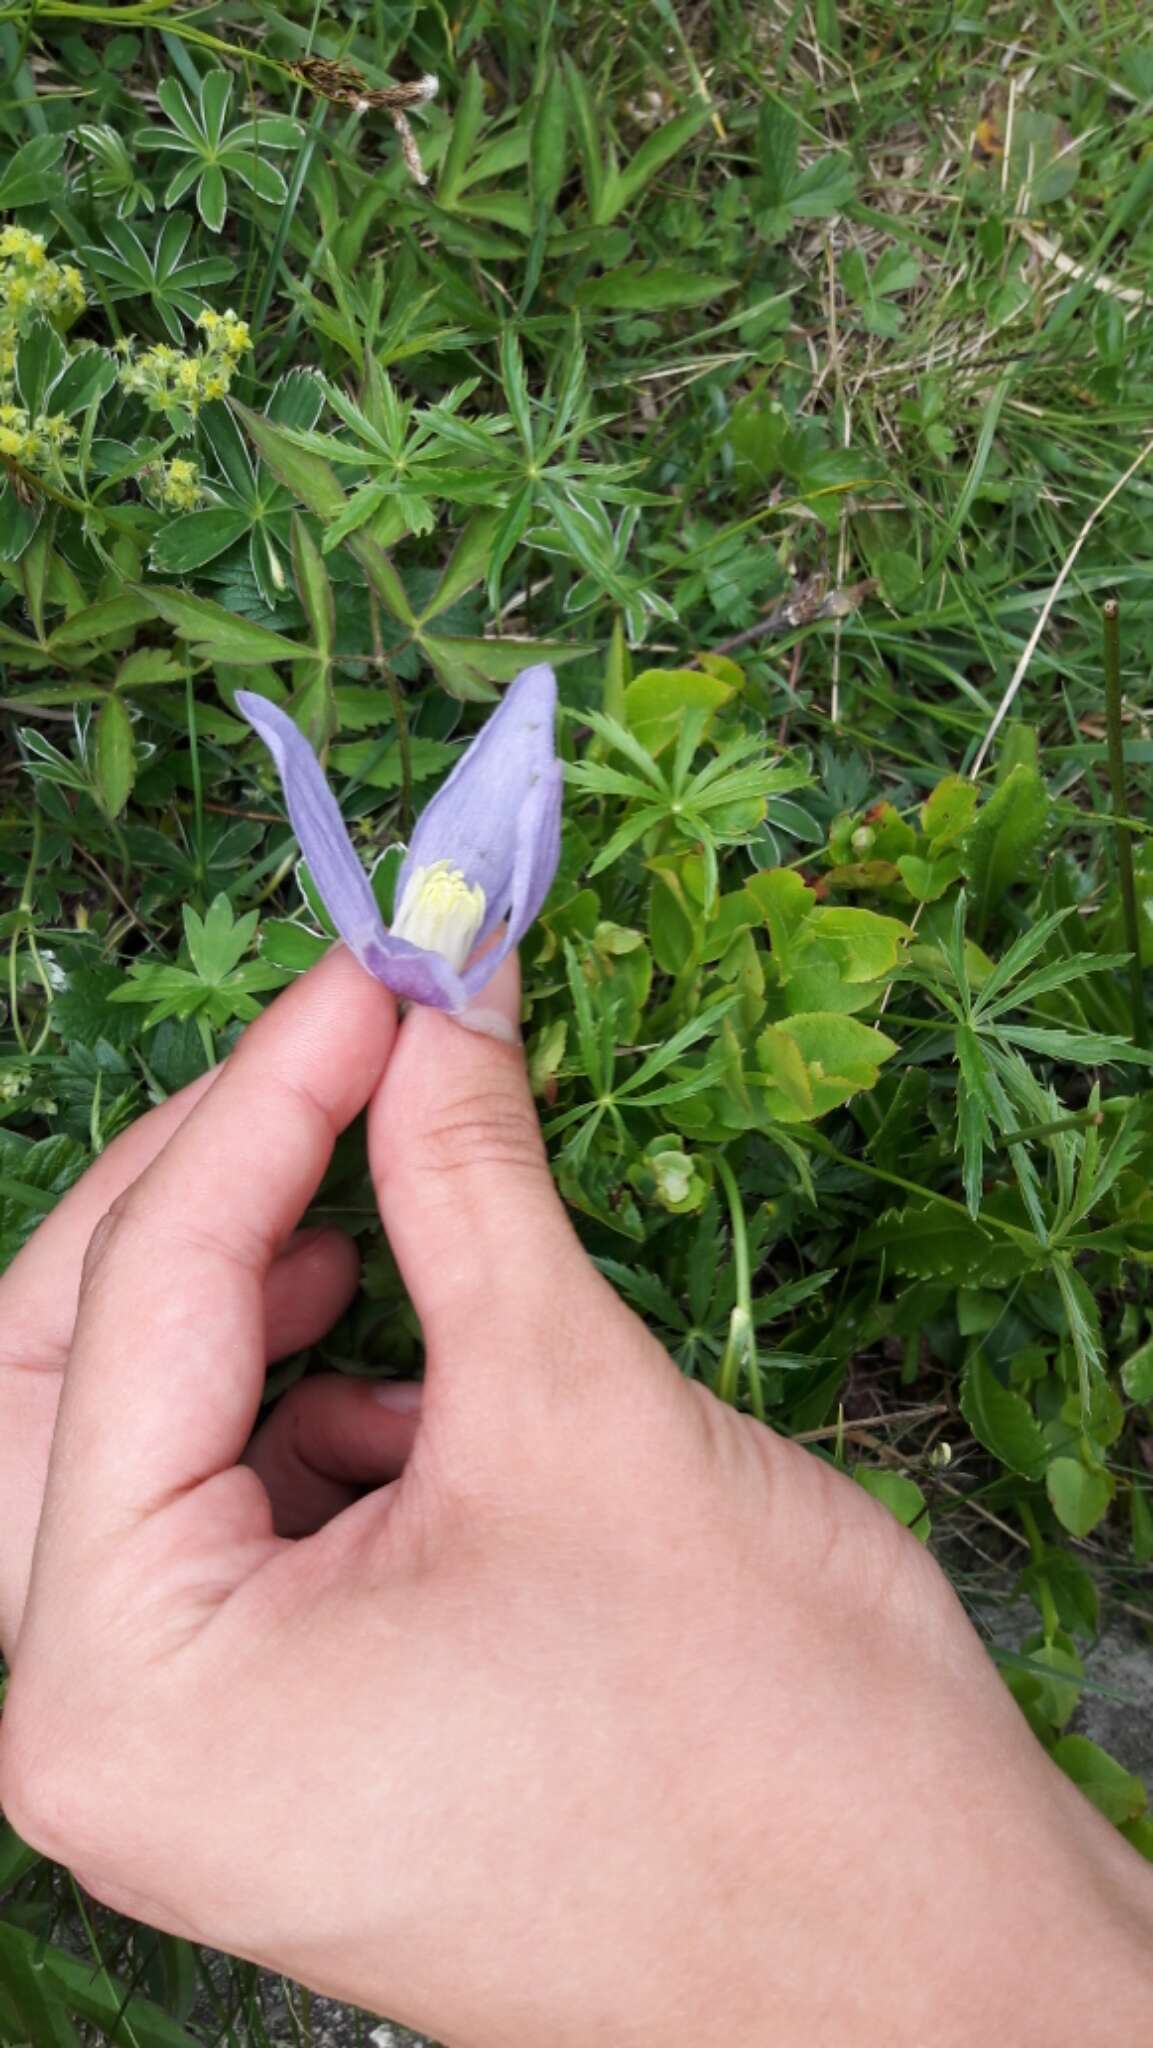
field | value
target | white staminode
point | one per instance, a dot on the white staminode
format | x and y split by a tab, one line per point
441	912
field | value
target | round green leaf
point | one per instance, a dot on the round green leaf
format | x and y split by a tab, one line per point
902	1496
1078	1495
656	702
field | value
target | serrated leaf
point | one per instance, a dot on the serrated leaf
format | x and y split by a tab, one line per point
307	476
218	635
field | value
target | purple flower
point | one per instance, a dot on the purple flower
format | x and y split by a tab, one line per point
483	852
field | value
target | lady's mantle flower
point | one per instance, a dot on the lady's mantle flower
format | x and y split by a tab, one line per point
484	851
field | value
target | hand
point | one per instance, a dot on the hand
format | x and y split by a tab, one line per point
615	1715
324	1441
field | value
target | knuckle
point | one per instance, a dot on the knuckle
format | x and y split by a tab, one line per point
485	1131
107	1234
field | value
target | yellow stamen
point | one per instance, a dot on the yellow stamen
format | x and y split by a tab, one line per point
441	912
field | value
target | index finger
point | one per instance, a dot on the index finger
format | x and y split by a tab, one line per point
167	1366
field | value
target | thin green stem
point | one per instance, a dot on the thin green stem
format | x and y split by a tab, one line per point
1111	625
197	783
912	1187
741	1348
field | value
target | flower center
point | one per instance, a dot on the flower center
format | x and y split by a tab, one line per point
441	912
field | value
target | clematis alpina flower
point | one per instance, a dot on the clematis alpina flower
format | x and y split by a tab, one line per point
483	852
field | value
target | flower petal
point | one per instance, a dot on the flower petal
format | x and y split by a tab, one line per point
474	818
315	818
537	851
414	974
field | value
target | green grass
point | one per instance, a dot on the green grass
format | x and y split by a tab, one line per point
799	354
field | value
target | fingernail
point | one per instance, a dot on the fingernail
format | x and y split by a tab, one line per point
402	1396
497	1012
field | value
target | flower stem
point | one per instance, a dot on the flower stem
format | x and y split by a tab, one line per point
1111	626
741	1349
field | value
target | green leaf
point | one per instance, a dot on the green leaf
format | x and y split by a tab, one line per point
1114	1791
467	563
548	152
218	635
902	1496
1078	1048
70	1984
383	577
976	1103
786	903
1002	1420
19	520
657	149
641	287
102	621
307	476
198	537
1140	1525
776	150
1006	836
948	813
927	880
1137	1373
40	358
658	700
467	122
839	1056
379	765
1079	1496
30	178
115	756
291	946
212	198
314	588
864	944
469	667
16	1858
592	157
90	375
218	941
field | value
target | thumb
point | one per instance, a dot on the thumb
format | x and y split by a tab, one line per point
477	1228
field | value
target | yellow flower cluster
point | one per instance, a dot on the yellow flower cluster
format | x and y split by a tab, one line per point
39	443
33	285
177	384
178	486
